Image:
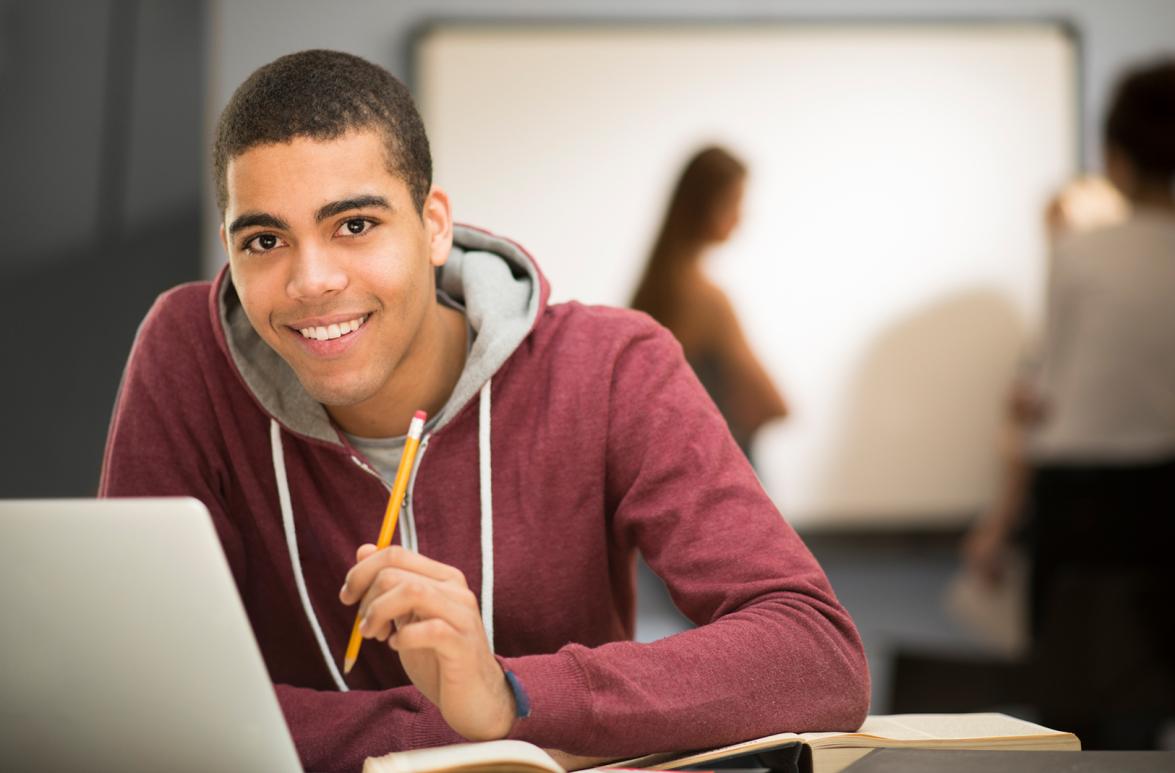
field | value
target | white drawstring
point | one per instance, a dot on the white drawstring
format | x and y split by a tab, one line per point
487	515
487	532
283	496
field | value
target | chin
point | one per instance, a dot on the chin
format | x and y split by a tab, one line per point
337	395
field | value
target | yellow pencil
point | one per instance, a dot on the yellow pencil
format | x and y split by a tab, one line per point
395	501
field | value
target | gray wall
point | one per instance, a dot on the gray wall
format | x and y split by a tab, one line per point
100	147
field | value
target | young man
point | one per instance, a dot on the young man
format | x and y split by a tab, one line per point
561	438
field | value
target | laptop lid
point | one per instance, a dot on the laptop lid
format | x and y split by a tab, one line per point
124	645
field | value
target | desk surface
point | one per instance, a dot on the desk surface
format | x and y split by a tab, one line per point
954	761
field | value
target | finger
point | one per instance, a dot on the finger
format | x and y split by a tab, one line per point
433	634
384	621
403	597
369	561
347	594
362	574
408	560
389	578
383	630
422	598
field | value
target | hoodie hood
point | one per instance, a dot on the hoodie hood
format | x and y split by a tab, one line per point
498	283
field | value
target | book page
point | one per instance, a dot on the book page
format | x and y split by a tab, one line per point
489	756
959	731
672	760
936	729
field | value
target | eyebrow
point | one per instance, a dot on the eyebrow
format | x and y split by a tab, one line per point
357	202
251	219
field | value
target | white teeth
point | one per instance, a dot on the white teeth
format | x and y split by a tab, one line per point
337	330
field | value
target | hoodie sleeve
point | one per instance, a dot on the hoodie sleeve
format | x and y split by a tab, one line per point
166	439
774	651
161	440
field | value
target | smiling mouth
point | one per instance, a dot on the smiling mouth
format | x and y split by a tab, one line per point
330	332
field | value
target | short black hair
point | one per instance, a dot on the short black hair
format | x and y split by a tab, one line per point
1141	120
322	95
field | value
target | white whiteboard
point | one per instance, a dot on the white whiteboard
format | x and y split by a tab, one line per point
890	262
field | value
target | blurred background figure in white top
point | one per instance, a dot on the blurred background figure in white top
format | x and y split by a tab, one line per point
1101	491
1087	203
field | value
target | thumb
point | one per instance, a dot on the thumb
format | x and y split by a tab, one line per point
364	551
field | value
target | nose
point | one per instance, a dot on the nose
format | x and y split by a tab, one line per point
315	274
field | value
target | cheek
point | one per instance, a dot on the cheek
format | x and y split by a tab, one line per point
400	283
258	291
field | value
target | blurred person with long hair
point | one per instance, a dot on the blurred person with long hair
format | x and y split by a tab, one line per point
704	210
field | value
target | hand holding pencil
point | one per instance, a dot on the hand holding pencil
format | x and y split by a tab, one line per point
391	516
425	611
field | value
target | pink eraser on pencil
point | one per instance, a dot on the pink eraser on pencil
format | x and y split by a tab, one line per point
420	415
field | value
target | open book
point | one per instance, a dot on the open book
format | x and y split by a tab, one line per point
488	757
832	752
829	752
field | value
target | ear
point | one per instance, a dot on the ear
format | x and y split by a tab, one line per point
438	223
224	239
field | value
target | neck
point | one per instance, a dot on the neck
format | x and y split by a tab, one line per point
423	380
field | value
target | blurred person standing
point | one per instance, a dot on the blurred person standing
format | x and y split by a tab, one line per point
703	212
1102	490
1087	203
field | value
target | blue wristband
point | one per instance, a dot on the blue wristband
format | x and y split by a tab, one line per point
521	699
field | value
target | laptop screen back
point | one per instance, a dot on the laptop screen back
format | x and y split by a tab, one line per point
125	645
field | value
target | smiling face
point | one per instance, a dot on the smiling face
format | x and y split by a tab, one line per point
334	265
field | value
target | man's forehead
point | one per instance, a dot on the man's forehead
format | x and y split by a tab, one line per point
362	146
306	174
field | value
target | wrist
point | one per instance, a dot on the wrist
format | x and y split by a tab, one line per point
505	710
521	701
514	703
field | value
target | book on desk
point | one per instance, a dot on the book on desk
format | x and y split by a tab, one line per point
965	761
805	752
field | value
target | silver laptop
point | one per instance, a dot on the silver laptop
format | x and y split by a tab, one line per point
124	645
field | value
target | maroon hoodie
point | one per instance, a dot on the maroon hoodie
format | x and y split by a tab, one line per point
575	436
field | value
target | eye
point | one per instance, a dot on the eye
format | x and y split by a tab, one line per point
262	243
356	226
